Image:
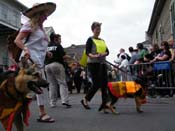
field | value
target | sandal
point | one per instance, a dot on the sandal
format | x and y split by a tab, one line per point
45	118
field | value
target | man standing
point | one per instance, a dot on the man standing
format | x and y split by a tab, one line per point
55	71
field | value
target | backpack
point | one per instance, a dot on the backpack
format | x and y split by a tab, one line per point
13	49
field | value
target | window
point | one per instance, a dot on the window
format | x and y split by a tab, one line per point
172	13
161	32
5	58
4	12
157	35
14	17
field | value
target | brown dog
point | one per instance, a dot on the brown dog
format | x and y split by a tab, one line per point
126	89
13	95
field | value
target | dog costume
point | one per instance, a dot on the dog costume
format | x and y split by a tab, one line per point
123	88
10	106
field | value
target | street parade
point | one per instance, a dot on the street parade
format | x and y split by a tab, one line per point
87	65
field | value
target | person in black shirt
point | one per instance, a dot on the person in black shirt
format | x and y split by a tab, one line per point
55	71
165	54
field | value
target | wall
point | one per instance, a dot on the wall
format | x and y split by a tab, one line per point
10	15
163	29
3	51
10	20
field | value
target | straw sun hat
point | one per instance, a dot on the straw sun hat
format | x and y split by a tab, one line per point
48	7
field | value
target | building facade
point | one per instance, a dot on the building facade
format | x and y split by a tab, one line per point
75	52
10	21
48	31
162	23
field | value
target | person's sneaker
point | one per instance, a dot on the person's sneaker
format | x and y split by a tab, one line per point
52	105
67	105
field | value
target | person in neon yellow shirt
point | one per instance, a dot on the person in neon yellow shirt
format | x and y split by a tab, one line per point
96	51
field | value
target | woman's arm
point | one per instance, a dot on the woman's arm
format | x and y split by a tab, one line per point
19	41
172	55
163	58
89	53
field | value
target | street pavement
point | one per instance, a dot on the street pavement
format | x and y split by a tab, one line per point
159	115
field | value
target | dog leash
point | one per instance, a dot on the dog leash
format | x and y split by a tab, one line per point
133	75
115	66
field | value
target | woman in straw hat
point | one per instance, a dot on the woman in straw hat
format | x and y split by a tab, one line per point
36	46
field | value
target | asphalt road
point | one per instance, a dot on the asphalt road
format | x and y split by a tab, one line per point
159	115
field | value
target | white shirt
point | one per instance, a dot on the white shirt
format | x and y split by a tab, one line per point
124	63
37	44
119	59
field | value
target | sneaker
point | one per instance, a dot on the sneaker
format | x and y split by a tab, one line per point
67	105
52	105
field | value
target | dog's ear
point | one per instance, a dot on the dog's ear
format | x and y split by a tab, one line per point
31	69
37	74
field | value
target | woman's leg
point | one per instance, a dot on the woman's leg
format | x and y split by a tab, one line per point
94	72
103	85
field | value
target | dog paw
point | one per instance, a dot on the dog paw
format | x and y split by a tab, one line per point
105	111
112	109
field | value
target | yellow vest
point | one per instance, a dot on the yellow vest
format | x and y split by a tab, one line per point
100	48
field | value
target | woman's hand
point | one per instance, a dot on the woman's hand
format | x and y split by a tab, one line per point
94	55
98	55
26	52
102	54
154	60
